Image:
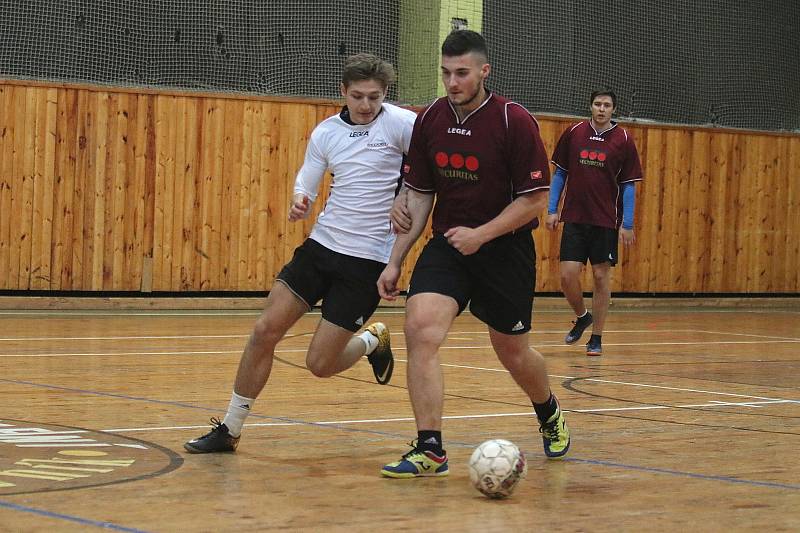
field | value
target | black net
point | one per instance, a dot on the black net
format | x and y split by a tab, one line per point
734	64
730	64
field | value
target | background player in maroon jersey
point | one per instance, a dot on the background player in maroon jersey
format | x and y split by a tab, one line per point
599	163
482	158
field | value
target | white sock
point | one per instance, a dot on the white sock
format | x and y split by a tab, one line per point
238	410
584	314
370	340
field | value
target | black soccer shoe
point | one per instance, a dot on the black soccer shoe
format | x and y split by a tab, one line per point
581	324
381	358
217	440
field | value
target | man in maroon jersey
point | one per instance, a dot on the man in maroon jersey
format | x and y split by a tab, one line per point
482	158
599	163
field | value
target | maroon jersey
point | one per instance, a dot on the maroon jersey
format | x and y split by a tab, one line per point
596	165
478	166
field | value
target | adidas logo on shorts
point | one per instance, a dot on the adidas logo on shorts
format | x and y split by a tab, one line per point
518	326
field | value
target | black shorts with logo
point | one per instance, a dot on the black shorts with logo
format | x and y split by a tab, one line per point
497	281
580	242
346	285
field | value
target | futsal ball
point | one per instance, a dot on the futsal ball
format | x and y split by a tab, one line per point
496	467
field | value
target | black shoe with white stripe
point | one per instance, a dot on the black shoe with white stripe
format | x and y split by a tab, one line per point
381	358
217	440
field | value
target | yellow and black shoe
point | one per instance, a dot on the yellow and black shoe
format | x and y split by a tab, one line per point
381	358
555	436
217	440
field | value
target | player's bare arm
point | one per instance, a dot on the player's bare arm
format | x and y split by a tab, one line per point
400	216
419	207
518	213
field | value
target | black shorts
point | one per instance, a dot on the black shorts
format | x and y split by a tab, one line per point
497	281
580	242
346	285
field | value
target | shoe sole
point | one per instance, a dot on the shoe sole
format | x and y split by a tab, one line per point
395	475
560	455
594	354
192	449
387	374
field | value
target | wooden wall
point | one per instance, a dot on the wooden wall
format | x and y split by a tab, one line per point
105	190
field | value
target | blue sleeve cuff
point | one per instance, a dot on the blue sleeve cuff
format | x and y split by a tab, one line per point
556	187
628	201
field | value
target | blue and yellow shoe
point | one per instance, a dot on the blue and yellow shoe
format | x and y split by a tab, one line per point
417	463
555	436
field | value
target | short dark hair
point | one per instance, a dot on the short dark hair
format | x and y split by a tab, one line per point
461	42
604	92
364	66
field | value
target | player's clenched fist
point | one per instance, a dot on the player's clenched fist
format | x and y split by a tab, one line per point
387	282
551	221
299	208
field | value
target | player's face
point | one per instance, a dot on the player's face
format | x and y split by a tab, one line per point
363	99
463	78
602	109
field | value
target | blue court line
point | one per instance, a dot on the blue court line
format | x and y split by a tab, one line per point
77	519
396	435
341	427
680	473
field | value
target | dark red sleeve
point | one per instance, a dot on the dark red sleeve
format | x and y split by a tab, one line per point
416	169
561	153
528	163
632	167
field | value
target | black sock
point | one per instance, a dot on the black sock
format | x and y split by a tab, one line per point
595	338
546	410
430	441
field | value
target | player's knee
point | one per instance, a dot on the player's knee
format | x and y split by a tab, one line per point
601	278
422	331
319	366
265	332
568	275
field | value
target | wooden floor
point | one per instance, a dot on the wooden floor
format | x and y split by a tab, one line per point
689	422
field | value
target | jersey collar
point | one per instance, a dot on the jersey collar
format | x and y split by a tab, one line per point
599	133
489	96
344	114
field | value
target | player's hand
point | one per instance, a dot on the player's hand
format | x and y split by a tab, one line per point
465	240
299	208
400	216
627	237
387	282
551	221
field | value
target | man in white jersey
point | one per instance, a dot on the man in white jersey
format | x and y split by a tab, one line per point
349	246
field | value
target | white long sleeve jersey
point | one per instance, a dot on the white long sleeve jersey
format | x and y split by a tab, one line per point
365	162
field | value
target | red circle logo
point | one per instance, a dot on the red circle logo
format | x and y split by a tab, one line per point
584	154
441	159
457	160
601	156
472	163
592	155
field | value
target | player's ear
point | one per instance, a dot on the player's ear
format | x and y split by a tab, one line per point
343	89
486	69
